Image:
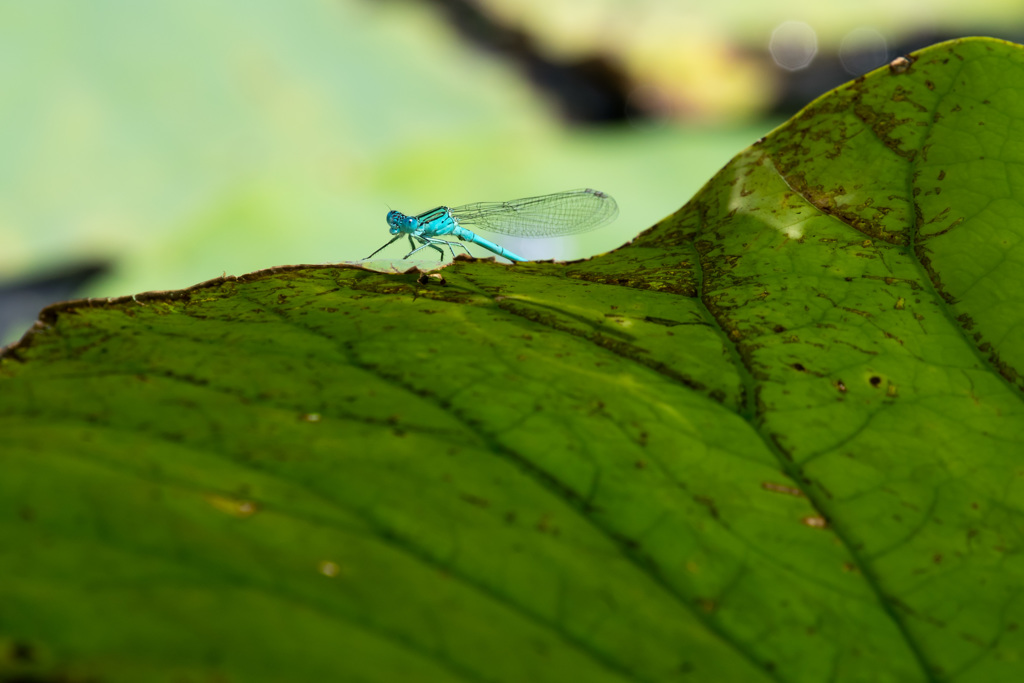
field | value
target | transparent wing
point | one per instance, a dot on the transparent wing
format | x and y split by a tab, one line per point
550	215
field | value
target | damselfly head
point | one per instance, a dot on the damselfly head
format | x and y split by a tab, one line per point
397	220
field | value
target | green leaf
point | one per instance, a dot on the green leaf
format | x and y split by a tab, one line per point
778	437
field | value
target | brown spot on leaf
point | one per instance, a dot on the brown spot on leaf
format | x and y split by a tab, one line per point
475	500
782	488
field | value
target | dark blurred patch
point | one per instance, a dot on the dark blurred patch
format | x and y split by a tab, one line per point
594	90
800	88
590	90
21	300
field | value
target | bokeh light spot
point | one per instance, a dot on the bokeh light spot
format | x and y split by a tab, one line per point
862	50
793	45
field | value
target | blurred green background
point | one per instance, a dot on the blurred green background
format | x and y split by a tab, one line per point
155	145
